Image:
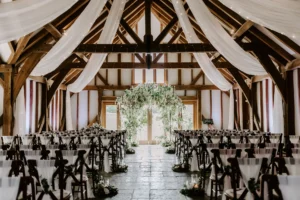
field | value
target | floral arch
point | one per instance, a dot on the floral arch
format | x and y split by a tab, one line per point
138	99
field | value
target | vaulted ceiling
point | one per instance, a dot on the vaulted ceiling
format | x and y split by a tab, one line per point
28	50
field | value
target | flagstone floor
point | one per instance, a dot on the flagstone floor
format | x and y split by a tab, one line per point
149	176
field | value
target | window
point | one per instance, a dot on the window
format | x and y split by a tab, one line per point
111	117
189	116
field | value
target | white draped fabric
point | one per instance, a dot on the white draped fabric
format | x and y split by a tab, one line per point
249	168
19	18
289	186
70	40
69	124
20	114
297	103
105	143
194	160
205	63
9	187
231	111
293	165
106	37
222	41
278	15
278	120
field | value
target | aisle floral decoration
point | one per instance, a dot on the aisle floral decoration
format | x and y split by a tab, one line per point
102	188
171	149
138	99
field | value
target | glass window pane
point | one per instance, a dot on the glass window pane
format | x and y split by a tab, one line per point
157	125
149	75
160	76
188	117
111	117
138	75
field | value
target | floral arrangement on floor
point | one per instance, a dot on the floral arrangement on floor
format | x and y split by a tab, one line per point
183	167
134	144
192	190
171	150
102	188
130	151
45	185
138	99
119	168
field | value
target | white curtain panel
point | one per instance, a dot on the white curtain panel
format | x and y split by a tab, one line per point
289	186
69	124
9	187
278	120
231	111
70	40
20	114
296	100
19	18
205	63
106	37
222	41
279	15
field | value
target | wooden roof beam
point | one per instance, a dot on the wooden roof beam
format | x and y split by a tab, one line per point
142	48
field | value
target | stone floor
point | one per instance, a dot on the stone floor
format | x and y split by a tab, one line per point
149	176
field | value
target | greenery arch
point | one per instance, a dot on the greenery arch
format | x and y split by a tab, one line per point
136	100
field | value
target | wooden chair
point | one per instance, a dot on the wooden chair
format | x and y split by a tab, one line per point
237	192
26	183
273	187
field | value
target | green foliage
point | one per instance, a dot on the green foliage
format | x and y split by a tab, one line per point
181	168
45	186
164	141
119	168
134	144
135	102
101	190
193	192
170	150
130	151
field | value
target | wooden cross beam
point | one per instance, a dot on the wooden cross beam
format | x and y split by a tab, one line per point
142	48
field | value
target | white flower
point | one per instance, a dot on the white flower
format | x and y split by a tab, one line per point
106	191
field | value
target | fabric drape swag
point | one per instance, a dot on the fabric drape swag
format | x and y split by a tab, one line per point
96	60
19	18
222	41
278	15
206	65
70	39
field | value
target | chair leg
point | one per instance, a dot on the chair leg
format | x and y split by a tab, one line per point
86	192
211	190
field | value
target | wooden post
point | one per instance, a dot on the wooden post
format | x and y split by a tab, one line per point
289	107
199	109
100	94
241	109
8	103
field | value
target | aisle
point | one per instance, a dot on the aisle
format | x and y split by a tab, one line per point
149	176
